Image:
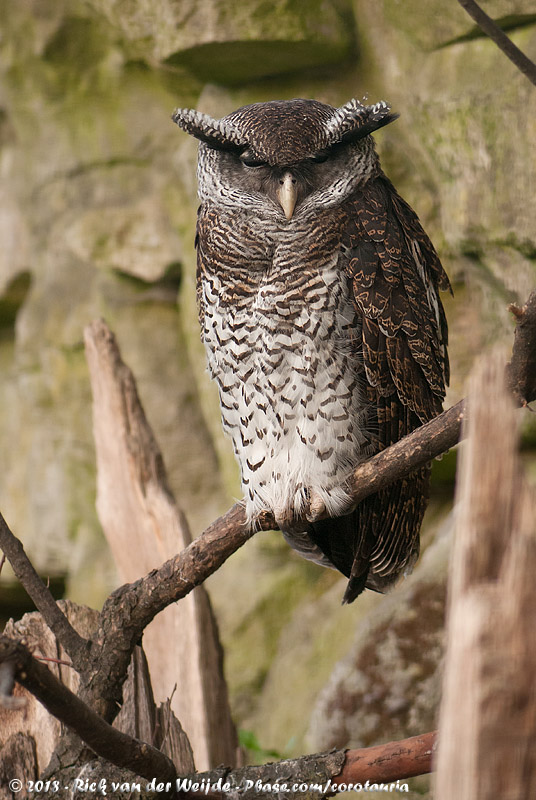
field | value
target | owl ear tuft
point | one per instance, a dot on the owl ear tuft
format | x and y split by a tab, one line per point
218	133
353	120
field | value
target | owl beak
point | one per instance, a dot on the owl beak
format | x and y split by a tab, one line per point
287	193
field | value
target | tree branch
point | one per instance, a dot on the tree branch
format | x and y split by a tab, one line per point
130	608
385	763
409	453
380	764
182	573
105	741
74	644
491	29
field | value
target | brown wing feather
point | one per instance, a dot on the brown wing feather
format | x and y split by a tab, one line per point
395	275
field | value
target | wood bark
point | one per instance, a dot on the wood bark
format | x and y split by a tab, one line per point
487	736
138	718
333	772
144	527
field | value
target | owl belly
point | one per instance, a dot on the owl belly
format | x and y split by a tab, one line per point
284	357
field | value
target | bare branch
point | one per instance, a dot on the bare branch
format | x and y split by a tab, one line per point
385	763
142	600
72	642
491	29
178	576
130	608
411	452
55	661
105	741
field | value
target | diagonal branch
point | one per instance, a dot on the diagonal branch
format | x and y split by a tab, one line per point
130	608
382	763
74	644
503	42
413	451
182	573
107	742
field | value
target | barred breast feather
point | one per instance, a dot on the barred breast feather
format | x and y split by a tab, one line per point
280	328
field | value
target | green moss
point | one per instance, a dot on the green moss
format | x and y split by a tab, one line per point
528	433
423	30
11	301
444	471
526	247
510	22
77	45
239	62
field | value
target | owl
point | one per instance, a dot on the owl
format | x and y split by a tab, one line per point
324	331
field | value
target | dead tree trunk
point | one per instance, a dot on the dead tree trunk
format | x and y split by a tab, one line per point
487	735
144	527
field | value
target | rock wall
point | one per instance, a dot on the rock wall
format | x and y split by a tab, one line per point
97	216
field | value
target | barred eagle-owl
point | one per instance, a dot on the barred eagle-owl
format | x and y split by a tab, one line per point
319	309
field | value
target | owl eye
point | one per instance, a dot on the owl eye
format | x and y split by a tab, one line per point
320	157
251	162
248	160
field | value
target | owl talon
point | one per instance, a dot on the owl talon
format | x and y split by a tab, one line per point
290	523
317	508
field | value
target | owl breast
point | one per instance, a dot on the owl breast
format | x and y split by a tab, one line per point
282	336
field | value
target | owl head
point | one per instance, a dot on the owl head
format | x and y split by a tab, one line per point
285	157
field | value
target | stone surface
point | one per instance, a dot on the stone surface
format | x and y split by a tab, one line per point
88	201
224	41
401	636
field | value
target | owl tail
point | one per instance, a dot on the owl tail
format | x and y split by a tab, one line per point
379	541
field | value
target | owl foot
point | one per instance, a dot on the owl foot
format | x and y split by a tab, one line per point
317	507
313	509
290	522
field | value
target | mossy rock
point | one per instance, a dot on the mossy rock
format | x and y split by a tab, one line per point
233	42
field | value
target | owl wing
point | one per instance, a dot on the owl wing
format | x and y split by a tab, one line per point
395	275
